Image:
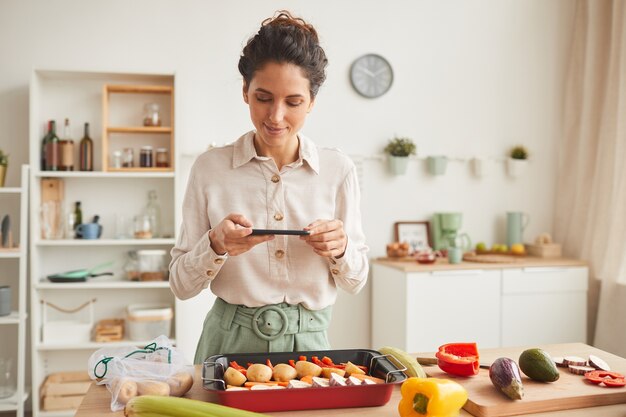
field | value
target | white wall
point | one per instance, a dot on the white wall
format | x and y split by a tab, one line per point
472	78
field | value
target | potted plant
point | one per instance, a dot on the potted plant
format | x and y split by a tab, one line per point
517	161
398	150
4	165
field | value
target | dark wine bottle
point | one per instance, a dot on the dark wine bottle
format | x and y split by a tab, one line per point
86	151
53	154
44	145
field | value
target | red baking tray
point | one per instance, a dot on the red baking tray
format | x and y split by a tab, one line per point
304	398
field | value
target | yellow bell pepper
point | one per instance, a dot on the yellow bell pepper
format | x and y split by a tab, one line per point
431	397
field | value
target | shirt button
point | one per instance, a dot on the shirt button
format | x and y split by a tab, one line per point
278	217
209	273
334	271
279	253
275	178
219	261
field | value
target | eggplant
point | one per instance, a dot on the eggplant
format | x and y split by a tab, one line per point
505	375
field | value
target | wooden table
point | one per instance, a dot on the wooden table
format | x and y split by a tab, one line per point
97	400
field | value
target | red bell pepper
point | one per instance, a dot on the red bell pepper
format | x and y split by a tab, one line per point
609	379
458	359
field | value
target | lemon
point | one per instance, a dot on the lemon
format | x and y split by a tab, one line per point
518	249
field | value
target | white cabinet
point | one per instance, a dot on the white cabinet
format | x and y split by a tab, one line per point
418	308
123	193
419	311
544	305
13	274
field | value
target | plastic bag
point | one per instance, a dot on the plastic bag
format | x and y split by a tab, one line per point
157	369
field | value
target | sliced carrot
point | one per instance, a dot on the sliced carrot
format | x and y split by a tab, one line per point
308	379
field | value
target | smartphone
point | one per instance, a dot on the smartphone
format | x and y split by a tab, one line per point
279	232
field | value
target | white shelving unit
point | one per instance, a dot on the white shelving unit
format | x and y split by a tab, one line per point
55	95
17	318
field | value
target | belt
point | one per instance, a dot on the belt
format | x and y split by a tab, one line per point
273	321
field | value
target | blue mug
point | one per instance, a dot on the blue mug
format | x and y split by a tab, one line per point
88	231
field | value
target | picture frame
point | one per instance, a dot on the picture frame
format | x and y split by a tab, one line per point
415	233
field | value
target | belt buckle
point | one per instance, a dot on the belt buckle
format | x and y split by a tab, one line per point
255	322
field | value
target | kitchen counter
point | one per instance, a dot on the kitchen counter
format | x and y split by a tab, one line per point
410	265
97	400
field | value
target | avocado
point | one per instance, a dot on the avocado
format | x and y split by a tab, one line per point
538	365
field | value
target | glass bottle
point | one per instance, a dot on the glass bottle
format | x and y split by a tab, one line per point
128	157
153	212
52	149
145	157
78	215
151	115
44	146
86	151
162	159
66	149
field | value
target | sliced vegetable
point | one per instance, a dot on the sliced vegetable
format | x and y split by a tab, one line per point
458	359
575	360
609	379
580	370
598	363
505	375
559	361
430	397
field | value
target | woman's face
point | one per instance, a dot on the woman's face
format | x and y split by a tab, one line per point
279	101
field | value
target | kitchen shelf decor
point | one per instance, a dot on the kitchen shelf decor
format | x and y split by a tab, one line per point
13	393
517	161
398	151
113	105
115	137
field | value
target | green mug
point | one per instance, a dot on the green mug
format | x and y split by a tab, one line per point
455	255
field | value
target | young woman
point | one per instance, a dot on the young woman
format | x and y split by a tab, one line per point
275	292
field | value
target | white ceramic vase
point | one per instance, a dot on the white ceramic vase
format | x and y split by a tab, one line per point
398	164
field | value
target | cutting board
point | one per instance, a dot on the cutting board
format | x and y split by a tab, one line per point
568	392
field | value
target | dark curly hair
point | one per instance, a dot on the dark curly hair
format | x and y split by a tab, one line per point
285	39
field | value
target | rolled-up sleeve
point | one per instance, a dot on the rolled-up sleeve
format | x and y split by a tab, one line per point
351	270
194	264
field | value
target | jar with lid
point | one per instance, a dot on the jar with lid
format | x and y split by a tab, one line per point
151	116
162	158
128	158
152	265
116	159
145	157
131	268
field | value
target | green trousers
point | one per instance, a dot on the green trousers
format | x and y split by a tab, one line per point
230	328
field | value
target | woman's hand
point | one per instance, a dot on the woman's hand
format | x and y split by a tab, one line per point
327	238
231	236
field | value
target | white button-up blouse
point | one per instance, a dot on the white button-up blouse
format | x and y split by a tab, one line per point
321	184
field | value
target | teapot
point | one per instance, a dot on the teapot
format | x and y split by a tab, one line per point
426	255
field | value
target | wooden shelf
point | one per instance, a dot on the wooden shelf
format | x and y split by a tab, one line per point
110	143
139	89
103	285
105	242
140	169
117	173
94	345
139	129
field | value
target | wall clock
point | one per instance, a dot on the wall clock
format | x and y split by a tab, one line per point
371	75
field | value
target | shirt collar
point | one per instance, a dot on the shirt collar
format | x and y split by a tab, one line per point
244	152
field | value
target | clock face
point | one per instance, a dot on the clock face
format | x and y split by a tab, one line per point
371	75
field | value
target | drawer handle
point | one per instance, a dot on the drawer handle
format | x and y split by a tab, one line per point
459	272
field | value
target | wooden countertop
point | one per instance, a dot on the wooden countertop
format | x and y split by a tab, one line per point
97	400
410	265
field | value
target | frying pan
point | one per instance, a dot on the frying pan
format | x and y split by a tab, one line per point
80	275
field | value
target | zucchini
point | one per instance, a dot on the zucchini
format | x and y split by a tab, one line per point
402	359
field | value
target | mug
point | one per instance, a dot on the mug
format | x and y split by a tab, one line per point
88	231
455	255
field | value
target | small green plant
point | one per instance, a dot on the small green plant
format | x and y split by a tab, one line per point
400	147
4	158
519	152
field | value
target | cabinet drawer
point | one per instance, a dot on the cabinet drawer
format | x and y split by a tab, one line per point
540	280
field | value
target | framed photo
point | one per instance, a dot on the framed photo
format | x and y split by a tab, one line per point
416	234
